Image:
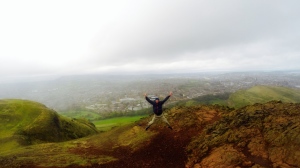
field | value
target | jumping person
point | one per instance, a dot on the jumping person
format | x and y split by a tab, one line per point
157	110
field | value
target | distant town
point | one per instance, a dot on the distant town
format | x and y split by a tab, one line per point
103	94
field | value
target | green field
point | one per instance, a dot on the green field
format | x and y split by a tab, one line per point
103	124
81	114
107	124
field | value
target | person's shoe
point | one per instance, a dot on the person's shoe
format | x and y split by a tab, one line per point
147	128
170	127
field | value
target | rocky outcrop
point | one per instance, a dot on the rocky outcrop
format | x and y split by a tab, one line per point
261	135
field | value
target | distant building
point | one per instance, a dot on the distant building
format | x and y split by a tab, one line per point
127	100
134	108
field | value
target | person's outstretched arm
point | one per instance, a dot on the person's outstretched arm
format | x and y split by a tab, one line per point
147	98
167	98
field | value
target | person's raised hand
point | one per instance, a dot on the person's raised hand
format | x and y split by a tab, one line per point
171	93
145	94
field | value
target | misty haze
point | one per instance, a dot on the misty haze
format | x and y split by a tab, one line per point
144	84
108	93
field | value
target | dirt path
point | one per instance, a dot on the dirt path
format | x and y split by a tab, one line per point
166	149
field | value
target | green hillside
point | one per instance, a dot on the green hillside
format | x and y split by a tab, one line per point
263	94
81	114
256	136
25	122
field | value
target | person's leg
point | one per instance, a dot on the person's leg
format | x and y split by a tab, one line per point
151	122
166	121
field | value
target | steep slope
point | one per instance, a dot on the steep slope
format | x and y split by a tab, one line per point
263	94
262	135
25	122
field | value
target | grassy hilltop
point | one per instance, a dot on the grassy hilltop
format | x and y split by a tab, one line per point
26	122
242	98
263	94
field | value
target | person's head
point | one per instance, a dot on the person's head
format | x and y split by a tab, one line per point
156	100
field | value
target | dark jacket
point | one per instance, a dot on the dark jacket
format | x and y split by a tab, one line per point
157	107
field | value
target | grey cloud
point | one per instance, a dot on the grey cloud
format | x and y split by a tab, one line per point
132	35
176	28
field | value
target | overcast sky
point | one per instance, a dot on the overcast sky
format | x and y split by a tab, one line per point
61	37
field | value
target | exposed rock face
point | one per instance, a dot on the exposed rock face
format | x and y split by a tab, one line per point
195	116
262	135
